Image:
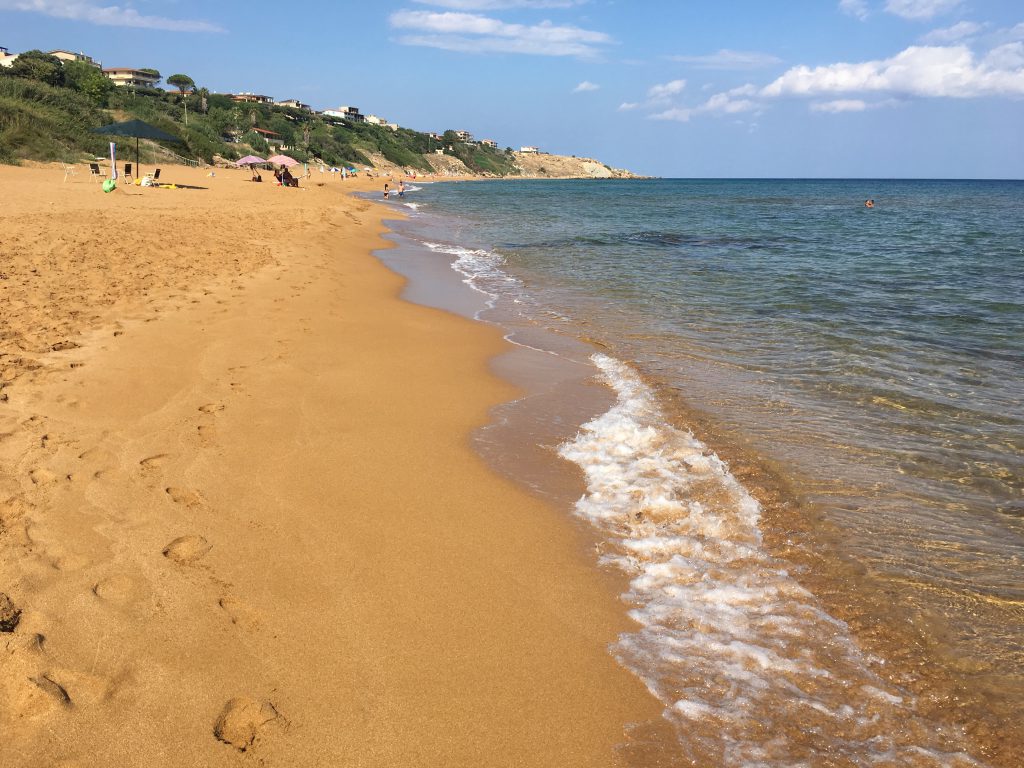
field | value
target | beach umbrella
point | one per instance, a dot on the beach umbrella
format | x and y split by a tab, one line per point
250	160
283	160
139	130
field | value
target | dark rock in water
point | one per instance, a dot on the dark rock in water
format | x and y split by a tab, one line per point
10	614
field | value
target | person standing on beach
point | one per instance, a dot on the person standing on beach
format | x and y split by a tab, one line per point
401	188
387	193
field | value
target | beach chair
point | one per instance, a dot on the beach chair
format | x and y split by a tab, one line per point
128	172
95	174
156	175
69	170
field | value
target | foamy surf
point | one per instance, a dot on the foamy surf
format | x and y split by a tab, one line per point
480	269
750	667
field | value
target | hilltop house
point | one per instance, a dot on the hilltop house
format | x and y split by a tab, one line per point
295	104
72	56
529	150
465	136
489	143
6	58
346	113
251	98
376	120
127	76
273	138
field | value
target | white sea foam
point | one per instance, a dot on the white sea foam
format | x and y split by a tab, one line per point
481	270
750	667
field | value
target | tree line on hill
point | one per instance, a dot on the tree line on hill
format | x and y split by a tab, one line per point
48	108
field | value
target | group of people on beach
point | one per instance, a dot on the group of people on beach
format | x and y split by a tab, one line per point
401	189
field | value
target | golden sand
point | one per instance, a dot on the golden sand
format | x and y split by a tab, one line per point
239	513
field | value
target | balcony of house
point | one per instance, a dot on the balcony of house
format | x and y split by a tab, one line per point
135	78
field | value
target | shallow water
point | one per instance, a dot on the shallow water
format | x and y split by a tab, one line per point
871	361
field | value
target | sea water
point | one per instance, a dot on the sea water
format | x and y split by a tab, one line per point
810	465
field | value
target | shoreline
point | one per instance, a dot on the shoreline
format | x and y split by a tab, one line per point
249	518
944	696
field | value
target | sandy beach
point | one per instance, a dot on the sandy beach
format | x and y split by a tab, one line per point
240	517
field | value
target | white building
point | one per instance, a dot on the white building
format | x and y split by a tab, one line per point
345	113
376	120
463	136
489	143
294	104
72	56
529	150
6	58
125	76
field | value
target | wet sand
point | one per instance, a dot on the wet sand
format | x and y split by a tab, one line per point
240	515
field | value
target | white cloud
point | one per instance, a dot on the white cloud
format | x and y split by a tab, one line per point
856	8
494	5
585	86
917	71
726	103
959	31
839	105
727	59
106	15
628	105
920	9
472	33
665	91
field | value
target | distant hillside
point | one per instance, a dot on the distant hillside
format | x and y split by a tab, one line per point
48	109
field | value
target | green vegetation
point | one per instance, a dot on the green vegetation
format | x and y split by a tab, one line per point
48	109
477	157
182	83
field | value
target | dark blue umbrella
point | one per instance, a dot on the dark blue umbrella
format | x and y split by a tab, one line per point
138	129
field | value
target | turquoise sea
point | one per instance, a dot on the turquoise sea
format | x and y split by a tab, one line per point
813	471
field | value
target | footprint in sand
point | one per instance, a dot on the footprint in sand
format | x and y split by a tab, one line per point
119	589
154	462
211	407
186	496
240	613
54	689
243	720
186	550
40	476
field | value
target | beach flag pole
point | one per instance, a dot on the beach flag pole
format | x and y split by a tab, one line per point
113	164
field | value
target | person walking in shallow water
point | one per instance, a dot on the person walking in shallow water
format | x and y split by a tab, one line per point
387	193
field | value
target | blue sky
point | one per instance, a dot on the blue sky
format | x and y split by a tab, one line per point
858	88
